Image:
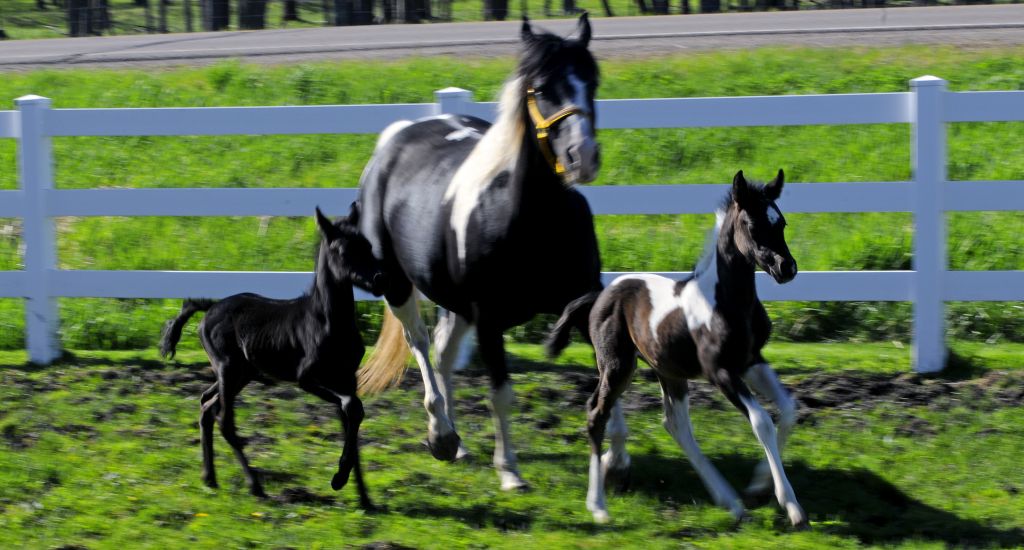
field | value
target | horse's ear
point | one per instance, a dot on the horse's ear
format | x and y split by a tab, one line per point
353	214
325	225
740	188
774	188
526	33
583	30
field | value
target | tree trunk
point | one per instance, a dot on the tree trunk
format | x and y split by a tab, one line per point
326	5
163	15
710	6
684	7
495	10
660	7
642	5
388	8
342	13
607	8
148	15
78	17
291	10
252	14
216	14
186	13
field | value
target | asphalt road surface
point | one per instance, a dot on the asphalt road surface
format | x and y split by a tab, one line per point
968	26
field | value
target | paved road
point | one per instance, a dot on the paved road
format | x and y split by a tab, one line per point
621	36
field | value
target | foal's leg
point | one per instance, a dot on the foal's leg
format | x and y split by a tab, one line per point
441	436
616	461
492	351
230	383
350	412
764	429
209	407
762	379
616	361
676	400
448	335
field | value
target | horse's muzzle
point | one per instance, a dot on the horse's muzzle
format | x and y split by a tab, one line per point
784	271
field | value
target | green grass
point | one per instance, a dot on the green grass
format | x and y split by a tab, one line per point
101	451
977	241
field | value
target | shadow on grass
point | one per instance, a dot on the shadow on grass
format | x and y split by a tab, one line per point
861	503
867	506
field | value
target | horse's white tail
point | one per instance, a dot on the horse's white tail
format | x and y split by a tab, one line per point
384	368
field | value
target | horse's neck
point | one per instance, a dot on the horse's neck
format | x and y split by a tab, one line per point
736	288
331	300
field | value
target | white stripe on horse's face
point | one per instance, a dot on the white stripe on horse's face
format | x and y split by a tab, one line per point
773	214
582	131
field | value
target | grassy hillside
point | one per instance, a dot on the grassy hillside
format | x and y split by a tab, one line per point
809	154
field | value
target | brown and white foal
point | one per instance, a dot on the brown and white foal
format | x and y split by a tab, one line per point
710	325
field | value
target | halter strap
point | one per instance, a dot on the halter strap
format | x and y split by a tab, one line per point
542	125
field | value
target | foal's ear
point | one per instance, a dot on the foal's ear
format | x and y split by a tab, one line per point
773	190
526	33
583	30
326	227
740	188
353	214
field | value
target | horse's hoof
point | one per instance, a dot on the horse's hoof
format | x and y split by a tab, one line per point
462	453
368	506
511	481
339	480
210	482
257	492
444	447
601	516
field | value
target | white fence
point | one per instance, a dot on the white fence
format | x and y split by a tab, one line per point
928	106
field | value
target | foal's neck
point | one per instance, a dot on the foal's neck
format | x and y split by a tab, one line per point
735	271
330	300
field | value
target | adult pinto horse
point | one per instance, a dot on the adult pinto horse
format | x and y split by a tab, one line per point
482	220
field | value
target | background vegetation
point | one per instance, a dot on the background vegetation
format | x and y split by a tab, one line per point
986	240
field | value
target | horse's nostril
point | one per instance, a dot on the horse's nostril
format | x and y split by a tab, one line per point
573	155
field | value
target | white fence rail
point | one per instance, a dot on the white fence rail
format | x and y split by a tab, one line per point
927	107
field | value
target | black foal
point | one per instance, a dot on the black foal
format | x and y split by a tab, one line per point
312	340
711	325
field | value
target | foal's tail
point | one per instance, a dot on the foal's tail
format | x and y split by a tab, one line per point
576	314
172	330
389	358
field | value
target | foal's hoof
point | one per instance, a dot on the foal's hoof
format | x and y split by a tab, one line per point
444	447
339	480
210	482
257	491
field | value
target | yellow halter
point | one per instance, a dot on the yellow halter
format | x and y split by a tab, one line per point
542	125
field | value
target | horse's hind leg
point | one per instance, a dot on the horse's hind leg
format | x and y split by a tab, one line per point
616	362
441	435
230	383
209	406
676	400
448	335
763	380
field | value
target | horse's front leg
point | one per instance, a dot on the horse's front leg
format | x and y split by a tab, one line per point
492	351
352	415
763	380
441	435
449	334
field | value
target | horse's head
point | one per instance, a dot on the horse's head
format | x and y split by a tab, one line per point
347	255
759	227
560	78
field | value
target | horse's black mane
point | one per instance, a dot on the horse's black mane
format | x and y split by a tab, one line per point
546	55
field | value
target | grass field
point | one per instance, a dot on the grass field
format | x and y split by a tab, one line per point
101	451
984	240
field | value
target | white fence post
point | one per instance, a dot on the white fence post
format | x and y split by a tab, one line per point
35	164
928	159
452	100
